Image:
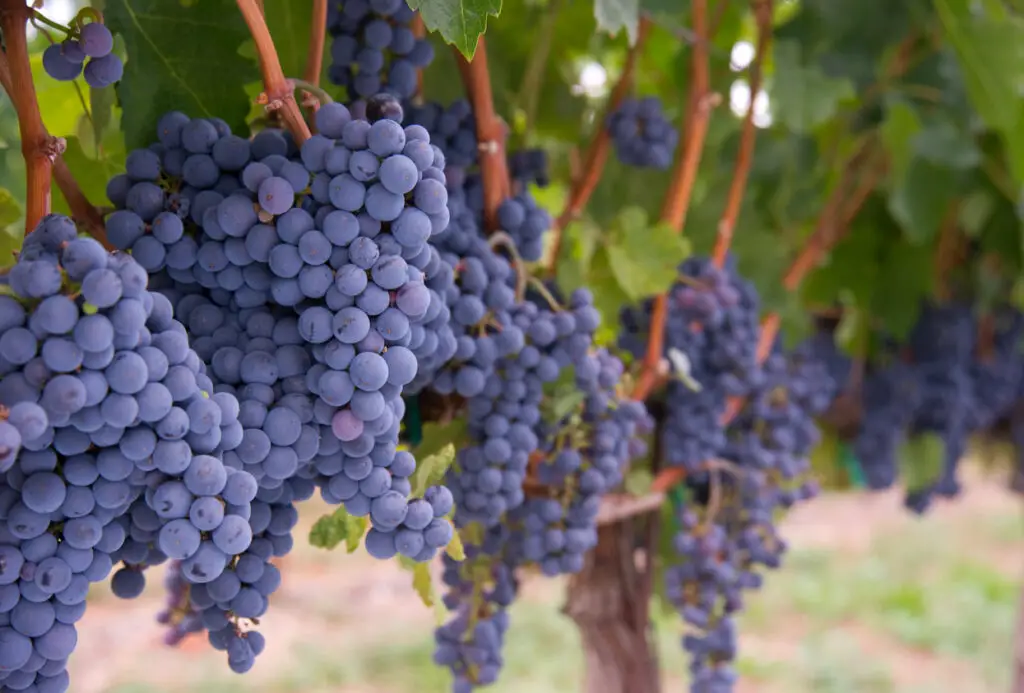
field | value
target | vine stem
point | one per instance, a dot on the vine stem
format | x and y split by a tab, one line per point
278	92
419	30
597	152
677	200
744	160
38	148
317	39
490	131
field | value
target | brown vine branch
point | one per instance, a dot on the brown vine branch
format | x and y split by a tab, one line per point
490	132
677	200
278	92
419	30
748	134
82	211
597	153
37	146
315	55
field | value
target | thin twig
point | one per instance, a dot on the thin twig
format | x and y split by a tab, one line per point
490	132
597	153
38	148
745	158
677	200
278	94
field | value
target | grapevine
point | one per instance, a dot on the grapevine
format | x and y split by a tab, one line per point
514	331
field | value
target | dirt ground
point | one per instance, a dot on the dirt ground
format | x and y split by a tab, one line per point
872	599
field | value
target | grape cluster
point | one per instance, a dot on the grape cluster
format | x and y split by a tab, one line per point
120	440
585	455
374	49
526	222
86	52
730	535
642	135
712	327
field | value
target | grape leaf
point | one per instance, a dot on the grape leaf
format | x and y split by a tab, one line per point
180	57
435	437
644	259
460	22
455	549
991	53
10	209
803	96
913	201
612	15
898	129
431	469
290	24
330	530
921	460
562	396
92	175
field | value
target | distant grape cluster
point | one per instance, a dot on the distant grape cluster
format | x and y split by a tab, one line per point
642	136
86	52
374	49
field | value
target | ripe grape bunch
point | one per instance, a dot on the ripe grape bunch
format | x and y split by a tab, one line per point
86	51
113	443
642	135
374	48
326	236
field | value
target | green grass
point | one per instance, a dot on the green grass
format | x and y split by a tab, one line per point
921	611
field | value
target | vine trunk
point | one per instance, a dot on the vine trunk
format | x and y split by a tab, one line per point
609	601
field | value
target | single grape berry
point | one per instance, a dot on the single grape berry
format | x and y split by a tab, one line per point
96	40
57	65
384	107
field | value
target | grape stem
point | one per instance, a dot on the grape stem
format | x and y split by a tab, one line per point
503	240
744	160
38	16
693	131
490	132
278	94
37	146
539	287
597	152
320	96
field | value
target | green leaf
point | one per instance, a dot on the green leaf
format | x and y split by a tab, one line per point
101	108
339	526
460	22
423	584
435	437
455	549
975	211
644	259
898	129
182	57
10	208
431	469
562	396
290	24
609	298
803	95
991	54
919	201
921	460
943	144
612	15
579	241
92	175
